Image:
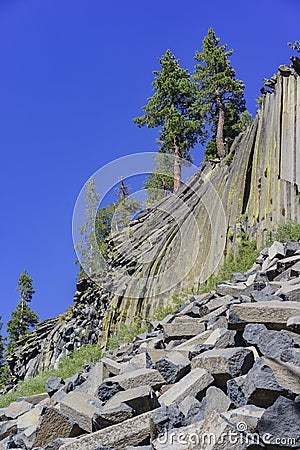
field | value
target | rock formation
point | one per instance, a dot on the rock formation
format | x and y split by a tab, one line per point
177	244
222	372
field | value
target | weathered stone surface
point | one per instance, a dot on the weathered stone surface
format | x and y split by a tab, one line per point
281	423
225	363
248	415
214	401
107	390
16	409
131	432
293	323
173	367
81	408
263	384
141	361
30	419
184	330
192	384
54	384
274	314
165	418
270	342
34	399
94	379
54	425
140	377
7	428
140	399
213	433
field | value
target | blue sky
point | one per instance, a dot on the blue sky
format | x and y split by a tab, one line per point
73	75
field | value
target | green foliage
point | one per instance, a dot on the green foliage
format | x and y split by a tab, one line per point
246	256
170	109
99	224
295	46
220	95
288	231
126	333
23	318
68	367
160	182
89	257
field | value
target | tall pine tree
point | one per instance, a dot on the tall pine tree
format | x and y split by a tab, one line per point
23	319
221	95
170	109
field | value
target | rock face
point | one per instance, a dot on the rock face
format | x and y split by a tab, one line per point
179	242
236	382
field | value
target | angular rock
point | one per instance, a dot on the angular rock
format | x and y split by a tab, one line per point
94	379
34	399
173	367
264	383
276	250
225	363
274	314
165	418
187	403
248	415
184	330
16	409
193	384
7	428
81	408
141	361
279	426
64	427
140	377
53	385
293	323
131	432
214	401
271	343
107	390
140	399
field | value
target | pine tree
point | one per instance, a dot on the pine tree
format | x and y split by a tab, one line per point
89	257
3	366
160	182
170	109
295	46
221	95
23	319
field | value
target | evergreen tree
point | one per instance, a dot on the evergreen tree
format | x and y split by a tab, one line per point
160	182
3	366
295	46
89	257
23	319
99	223
221	95
170	109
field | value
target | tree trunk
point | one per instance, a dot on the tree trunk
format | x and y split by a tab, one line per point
177	167
220	127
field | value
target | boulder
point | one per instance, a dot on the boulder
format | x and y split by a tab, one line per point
140	399
133	432
16	409
81	408
140	377
225	363
173	367
274	313
279	426
107	390
185	330
64	427
195	383
53	385
214	400
165	418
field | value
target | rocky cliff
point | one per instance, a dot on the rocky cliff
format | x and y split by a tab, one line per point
222	372
177	244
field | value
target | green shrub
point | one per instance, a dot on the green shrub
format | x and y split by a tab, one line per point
246	256
68	367
289	231
126	333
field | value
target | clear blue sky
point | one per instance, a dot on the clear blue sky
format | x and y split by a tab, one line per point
73	75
